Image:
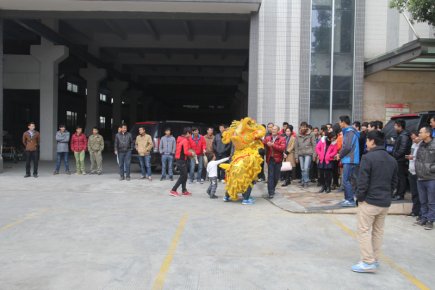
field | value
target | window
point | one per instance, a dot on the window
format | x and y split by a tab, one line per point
103	97
71	87
86	91
111	122
102	122
71	119
111	100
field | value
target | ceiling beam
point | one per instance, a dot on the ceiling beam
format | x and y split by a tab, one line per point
72	30
188	29
116	29
151	28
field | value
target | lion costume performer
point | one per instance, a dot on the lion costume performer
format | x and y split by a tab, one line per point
246	162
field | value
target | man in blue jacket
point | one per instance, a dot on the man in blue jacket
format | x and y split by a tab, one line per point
349	156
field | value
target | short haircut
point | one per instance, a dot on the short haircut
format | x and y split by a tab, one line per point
210	128
316	128
222	125
95	128
345	119
329	124
168	129
277	127
324	128
310	127
374	124
142	127
194	129
270	123
285	123
365	124
304	124
187	130
432	118
401	123
414	132
120	126
331	135
380	124
78	127
377	136
124	125
357	124
31	123
427	128
336	128
61	125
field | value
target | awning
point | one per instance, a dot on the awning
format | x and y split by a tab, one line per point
417	55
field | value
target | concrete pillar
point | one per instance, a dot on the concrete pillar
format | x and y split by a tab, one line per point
49	57
117	88
1	92
133	97
93	77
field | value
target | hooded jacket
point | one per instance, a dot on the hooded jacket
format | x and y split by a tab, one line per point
305	145
349	153
197	144
402	147
425	161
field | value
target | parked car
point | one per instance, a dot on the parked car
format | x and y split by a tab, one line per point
156	129
413	123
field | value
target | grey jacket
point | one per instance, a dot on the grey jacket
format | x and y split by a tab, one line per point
124	142
425	161
62	140
305	145
167	145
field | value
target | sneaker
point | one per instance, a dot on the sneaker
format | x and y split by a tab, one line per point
173	193
121	178
226	199
362	267
127	178
78	173
99	173
247	202
84	173
201	181
56	173
27	175
186	193
421	222
348	204
142	177
271	196
150	178
428	226
213	196
35	175
171	178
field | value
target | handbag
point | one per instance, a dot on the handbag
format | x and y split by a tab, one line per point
286	166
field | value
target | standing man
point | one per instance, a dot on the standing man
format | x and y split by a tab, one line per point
425	168
269	128
209	153
181	154
123	147
144	145
412	176
402	147
95	148
197	143
79	144
349	156
167	150
31	141
377	180
275	147
62	149
221	150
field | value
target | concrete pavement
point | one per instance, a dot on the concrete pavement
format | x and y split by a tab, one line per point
95	232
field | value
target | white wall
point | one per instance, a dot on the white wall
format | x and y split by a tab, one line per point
20	72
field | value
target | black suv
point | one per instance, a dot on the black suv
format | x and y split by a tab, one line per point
413	123
156	129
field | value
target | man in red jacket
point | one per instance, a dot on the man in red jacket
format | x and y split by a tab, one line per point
275	147
182	151
79	143
198	144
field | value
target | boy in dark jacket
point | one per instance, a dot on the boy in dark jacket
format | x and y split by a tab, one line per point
377	180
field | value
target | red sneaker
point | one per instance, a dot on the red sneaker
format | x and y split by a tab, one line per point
186	193
173	193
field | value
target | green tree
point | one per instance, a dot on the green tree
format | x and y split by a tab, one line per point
420	10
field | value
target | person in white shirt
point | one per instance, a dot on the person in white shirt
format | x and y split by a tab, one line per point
212	171
412	175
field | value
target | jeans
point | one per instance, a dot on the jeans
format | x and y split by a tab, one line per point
348	176
32	156
80	161
247	193
213	186
426	193
192	168
167	159
59	157
124	159
273	174
414	192
182	179
145	165
305	163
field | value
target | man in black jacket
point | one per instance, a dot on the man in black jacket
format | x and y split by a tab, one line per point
221	150
123	146
377	180
402	147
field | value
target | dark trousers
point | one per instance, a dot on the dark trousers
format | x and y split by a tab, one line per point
247	193
182	179
314	174
124	159
261	174
414	192
335	173
289	175
32	156
221	172
213	186
325	177
402	174
426	193
274	172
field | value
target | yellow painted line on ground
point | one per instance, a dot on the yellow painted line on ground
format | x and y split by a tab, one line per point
161	277
390	262
27	217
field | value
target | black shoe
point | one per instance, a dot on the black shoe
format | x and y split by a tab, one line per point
271	196
428	226
27	175
121	178
418	218
286	183
35	175
319	184
68	172
55	172
398	197
322	190
213	196
172	179
127	178
328	190
421	222
99	173
162	178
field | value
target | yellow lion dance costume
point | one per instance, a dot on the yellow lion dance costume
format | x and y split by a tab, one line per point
246	162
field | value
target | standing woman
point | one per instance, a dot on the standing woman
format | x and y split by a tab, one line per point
182	151
326	149
305	151
289	154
